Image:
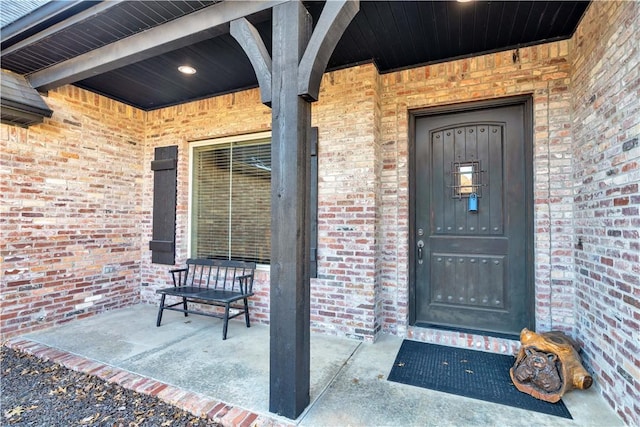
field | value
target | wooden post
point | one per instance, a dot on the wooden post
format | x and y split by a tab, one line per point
289	81
291	126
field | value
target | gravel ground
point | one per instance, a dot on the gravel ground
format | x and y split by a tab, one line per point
34	392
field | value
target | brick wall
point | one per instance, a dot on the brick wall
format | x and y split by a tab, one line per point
343	298
606	123
70	191
362	286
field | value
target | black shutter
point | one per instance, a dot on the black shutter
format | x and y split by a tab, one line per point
313	208
165	168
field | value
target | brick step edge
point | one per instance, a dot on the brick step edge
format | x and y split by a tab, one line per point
195	403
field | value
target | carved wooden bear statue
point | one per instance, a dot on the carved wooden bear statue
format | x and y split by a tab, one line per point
548	365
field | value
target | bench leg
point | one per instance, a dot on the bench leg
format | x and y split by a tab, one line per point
184	304
226	322
246	313
160	310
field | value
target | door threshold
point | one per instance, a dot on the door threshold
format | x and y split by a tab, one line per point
503	335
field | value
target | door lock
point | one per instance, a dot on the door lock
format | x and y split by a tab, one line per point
420	246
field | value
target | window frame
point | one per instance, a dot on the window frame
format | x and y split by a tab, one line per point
193	145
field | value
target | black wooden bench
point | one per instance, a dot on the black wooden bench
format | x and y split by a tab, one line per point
222	283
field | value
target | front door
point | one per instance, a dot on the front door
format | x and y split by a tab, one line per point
472	227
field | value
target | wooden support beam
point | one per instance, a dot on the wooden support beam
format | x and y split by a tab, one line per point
197	26
298	60
334	20
291	128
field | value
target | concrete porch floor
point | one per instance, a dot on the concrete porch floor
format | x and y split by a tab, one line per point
186	363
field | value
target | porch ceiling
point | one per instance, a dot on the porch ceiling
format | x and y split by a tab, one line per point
392	34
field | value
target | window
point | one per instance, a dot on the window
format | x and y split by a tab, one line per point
465	175
230	198
467	179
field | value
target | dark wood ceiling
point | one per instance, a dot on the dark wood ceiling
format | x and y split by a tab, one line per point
392	34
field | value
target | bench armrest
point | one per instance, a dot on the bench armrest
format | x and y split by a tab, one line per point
246	283
179	276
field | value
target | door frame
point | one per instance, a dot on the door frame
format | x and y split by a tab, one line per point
521	100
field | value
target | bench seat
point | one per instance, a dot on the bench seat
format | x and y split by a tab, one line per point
211	282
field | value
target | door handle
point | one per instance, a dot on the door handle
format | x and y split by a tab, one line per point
420	246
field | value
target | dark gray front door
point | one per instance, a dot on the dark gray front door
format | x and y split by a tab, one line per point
471	243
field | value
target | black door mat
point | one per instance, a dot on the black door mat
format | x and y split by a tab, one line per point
470	373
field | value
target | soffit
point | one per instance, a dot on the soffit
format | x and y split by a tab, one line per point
392	34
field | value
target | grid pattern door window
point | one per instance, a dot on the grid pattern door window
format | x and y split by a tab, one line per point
231	201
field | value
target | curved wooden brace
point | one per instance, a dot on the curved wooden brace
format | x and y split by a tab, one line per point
334	20
252	44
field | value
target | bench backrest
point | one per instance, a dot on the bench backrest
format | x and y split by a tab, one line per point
220	274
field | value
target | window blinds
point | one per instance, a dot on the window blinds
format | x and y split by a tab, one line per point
231	205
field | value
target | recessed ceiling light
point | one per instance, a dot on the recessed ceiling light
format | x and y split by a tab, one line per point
186	69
